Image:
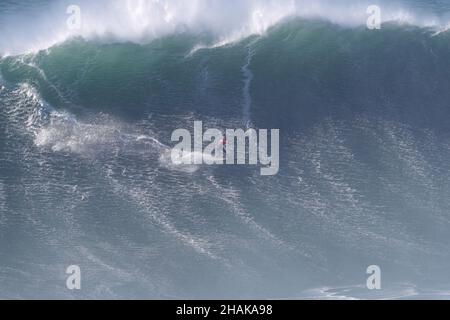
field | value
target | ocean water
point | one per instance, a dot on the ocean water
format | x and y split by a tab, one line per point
86	118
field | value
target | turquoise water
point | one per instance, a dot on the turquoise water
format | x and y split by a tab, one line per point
364	174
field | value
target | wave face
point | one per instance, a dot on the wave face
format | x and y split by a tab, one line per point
364	176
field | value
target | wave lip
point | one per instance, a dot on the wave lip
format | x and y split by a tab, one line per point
142	21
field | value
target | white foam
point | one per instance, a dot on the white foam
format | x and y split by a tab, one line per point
144	20
61	131
185	162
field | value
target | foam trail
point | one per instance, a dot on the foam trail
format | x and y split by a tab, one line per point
248	77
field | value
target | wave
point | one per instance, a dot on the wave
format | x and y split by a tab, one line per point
142	21
365	142
335	71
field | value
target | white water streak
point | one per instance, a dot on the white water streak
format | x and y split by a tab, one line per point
248	77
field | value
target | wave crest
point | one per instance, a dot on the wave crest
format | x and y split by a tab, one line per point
142	21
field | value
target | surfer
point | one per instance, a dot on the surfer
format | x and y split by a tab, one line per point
223	142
